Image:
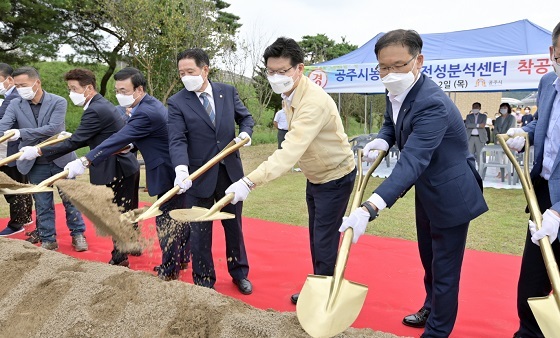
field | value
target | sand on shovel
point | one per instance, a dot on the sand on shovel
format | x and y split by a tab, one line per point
96	203
48	294
7	182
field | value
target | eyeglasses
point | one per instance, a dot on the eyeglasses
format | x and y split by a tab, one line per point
394	68
280	72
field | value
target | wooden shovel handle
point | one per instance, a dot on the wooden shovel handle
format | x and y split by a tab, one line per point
219	205
230	148
49	181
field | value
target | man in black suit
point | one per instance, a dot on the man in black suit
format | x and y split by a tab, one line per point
20	205
202	119
146	129
99	121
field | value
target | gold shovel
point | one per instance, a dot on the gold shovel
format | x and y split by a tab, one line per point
50	141
545	309
137	215
328	305
44	186
198	214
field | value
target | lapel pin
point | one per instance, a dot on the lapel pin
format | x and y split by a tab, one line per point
220	96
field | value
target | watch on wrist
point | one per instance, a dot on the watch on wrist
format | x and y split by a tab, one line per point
249	183
85	161
371	210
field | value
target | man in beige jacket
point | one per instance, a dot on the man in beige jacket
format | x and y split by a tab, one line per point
316	141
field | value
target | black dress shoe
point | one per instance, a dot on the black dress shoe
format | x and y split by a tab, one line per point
168	278
244	286
184	266
124	262
294	298
417	319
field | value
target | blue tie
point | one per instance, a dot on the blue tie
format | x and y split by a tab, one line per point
206	104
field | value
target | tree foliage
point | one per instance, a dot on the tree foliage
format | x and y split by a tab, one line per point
320	48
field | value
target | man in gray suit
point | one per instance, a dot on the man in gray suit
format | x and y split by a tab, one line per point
476	130
40	115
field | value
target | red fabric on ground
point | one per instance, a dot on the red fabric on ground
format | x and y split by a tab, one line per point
279	260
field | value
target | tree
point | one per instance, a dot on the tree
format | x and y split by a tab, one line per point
320	48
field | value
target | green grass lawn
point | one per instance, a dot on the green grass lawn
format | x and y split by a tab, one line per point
501	229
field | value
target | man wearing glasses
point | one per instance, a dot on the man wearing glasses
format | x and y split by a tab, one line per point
429	131
317	142
544	134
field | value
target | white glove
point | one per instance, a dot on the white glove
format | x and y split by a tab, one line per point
29	153
128	149
75	168
16	134
514	131
240	189
243	135
181	178
371	150
517	143
64	134
550	224
358	221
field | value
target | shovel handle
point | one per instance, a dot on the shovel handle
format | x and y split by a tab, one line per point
7	136
219	205
50	141
230	148
536	215
49	181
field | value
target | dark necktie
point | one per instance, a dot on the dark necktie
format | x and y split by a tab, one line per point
206	104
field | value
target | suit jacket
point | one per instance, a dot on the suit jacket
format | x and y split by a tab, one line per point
315	140
147	130
471	124
194	140
430	134
537	132
13	147
503	123
99	121
49	123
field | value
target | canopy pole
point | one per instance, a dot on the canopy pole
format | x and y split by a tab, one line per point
339	103
365	114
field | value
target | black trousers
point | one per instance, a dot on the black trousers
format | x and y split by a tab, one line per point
533	278
126	197
326	205
201	237
20	205
281	134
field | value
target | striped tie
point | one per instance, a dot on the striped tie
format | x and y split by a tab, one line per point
206	104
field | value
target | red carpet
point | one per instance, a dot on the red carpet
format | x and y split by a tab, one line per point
280	260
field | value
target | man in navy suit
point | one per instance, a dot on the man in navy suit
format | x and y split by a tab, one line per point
202	119
99	121
544	135
20	205
430	133
146	130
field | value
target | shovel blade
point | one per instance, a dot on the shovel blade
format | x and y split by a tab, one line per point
547	313
325	309
198	214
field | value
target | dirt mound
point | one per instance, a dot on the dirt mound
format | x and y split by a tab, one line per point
48	294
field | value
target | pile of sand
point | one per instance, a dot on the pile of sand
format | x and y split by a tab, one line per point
48	294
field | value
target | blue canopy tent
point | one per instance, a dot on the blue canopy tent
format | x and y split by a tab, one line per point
510	56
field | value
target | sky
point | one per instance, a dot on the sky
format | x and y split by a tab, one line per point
360	20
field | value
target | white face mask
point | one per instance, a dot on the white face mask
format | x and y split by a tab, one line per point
556	68
397	83
476	111
125	100
503	111
27	93
192	83
3	89
79	99
281	83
